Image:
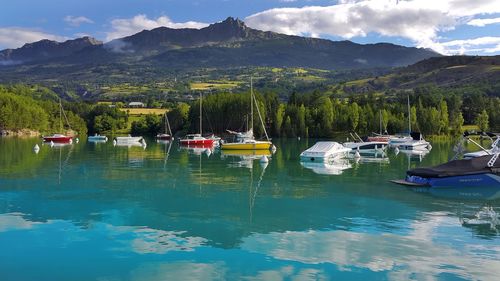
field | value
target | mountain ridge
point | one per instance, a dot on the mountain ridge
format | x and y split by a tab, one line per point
229	43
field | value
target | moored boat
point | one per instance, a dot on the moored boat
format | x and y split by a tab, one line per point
97	138
197	139
323	151
59	137
128	140
167	135
246	140
370	146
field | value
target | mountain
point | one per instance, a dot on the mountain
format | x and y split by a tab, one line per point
44	50
225	44
442	72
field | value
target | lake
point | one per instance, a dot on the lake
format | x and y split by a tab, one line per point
92	211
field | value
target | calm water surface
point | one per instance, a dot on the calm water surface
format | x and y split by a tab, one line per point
97	212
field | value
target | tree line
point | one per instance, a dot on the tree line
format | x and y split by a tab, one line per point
433	112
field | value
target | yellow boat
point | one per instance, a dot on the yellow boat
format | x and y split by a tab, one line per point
246	140
247	153
247	145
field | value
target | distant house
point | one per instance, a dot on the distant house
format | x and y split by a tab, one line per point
136	104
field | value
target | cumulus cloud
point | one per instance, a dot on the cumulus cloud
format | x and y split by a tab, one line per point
77	21
476	45
417	20
483	22
15	37
125	27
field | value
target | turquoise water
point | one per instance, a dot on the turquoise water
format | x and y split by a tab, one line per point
98	212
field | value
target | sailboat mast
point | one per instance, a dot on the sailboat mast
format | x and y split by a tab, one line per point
201	100
380	121
60	116
409	116
251	103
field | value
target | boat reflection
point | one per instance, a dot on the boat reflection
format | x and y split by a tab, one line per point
331	167
414	154
244	158
370	157
198	149
467	193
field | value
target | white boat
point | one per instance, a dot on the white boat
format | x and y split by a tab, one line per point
323	151
495	146
397	140
370	146
128	140
416	143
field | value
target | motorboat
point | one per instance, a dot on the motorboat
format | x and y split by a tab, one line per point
361	145
397	140
246	140
369	146
97	138
483	151
323	151
197	139
474	172
128	140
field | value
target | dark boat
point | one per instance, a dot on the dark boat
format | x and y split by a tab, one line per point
481	171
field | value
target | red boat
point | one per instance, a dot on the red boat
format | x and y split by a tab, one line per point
196	140
58	138
380	138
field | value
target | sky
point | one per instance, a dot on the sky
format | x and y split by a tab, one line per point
449	27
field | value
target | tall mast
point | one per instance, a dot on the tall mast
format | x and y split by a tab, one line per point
201	98
380	121
251	103
409	116
60	116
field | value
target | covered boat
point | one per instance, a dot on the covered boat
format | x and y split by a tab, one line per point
324	151
479	171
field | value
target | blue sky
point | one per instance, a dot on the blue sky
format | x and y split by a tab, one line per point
447	26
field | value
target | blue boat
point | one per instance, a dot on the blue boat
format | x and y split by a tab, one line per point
483	171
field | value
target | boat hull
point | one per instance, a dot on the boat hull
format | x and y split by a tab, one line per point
247	146
205	142
164	137
127	140
476	180
58	139
97	138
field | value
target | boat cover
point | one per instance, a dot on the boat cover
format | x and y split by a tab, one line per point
478	165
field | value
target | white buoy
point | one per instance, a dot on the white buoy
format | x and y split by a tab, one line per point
396	150
51	143
70	141
264	159
114	142
77	140
273	148
298	138
208	152
36	149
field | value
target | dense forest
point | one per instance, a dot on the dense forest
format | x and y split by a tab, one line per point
316	114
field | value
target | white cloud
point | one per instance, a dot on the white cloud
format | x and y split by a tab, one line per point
125	27
417	20
483	22
15	37
487	45
77	21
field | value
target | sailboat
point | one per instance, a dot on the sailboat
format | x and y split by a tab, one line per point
246	140
381	137
168	133
413	141
197	139
59	138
